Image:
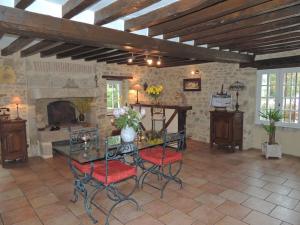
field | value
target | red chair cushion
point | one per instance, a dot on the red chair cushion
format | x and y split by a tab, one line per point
86	167
117	171
155	155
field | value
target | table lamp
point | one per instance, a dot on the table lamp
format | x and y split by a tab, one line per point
17	100
137	88
237	86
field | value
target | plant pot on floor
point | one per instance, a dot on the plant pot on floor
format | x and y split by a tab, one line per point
271	150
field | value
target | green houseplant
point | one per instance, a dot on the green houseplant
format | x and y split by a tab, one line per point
273	116
83	105
271	148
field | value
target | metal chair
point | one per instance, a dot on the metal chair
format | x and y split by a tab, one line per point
161	159
158	115
111	172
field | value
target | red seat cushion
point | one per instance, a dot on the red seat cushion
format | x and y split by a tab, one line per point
117	171
155	155
86	167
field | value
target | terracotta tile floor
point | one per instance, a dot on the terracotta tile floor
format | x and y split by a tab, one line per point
220	188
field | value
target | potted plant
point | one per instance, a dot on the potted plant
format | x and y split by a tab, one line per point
83	105
128	120
271	148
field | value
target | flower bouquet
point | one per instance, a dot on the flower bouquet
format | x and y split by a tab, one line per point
154	92
128	120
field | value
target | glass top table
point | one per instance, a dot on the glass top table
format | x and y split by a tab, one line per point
85	155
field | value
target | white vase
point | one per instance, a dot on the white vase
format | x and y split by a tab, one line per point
128	134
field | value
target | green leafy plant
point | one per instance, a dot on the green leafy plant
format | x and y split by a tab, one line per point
273	116
83	105
127	117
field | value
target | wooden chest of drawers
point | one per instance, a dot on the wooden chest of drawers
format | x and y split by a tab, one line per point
13	140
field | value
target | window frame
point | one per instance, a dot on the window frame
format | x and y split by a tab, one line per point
278	96
108	82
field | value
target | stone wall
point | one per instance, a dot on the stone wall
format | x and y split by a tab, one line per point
213	75
36	72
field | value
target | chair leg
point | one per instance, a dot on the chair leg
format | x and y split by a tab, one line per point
159	171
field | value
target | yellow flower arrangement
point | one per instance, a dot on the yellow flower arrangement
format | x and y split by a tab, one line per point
154	91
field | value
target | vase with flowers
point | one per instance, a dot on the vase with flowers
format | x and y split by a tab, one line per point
154	91
128	120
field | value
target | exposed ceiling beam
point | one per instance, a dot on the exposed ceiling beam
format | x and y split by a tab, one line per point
284	62
41	46
167	13
20	22
254	37
22	4
122	58
106	55
209	13
58	49
249	45
92	53
16	45
119	9
276	50
75	52
114	57
274	46
73	7
262	19
263	28
232	17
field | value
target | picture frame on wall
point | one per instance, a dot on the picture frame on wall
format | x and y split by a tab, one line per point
192	84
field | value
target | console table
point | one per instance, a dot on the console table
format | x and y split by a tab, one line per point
175	116
226	128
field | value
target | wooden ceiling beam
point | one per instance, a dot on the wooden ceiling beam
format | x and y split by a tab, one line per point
232	17
58	49
242	24
254	37
106	55
41	46
16	45
274	46
247	32
75	52
97	51
73	7
20	22
119	9
22	4
250	45
167	13
122	59
115	57
276	50
274	63
203	15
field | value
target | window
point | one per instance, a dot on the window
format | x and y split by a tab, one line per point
113	92
280	89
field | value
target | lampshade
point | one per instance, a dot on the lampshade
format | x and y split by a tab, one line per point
237	86
137	87
16	100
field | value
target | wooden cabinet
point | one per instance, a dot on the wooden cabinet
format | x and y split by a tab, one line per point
226	128
13	140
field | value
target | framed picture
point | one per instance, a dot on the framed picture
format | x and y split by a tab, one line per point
193	84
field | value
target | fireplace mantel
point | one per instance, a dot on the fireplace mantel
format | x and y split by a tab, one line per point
46	93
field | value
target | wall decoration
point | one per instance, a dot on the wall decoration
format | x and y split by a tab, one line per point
192	84
7	75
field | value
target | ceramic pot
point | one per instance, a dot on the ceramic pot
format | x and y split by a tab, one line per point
128	134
